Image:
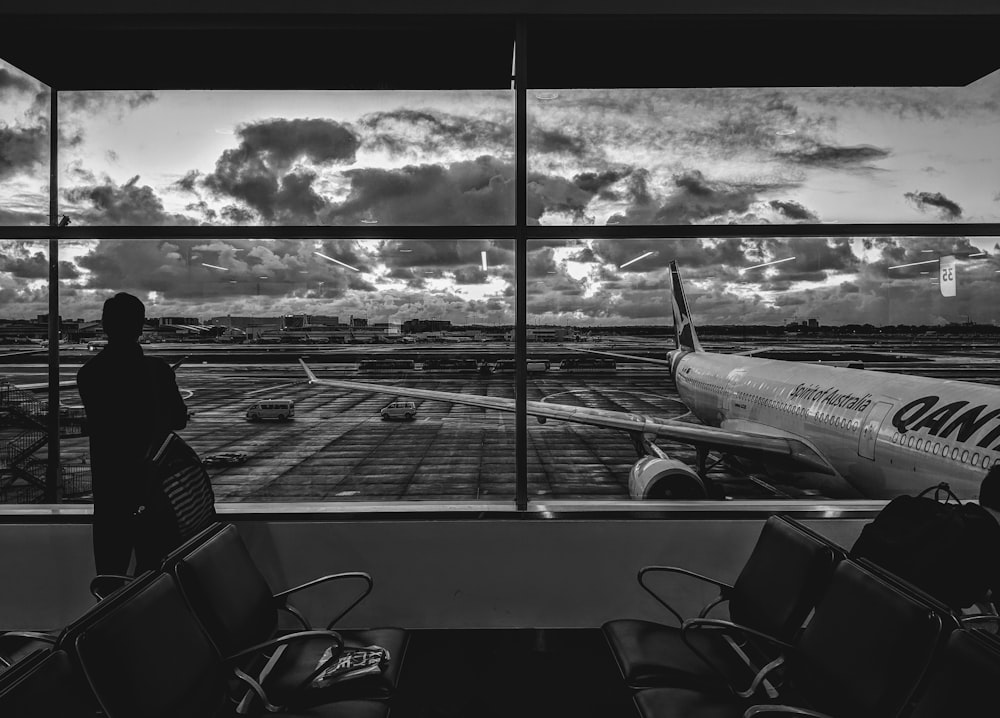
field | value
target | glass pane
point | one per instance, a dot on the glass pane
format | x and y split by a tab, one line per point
24	297
24	148
847	317
765	155
393	315
288	158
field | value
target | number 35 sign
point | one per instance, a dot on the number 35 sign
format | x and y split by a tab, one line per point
949	279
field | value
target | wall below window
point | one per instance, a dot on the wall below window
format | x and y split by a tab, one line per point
476	573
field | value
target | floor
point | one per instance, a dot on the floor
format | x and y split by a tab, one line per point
510	674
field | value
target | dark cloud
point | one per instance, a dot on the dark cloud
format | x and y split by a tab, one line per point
13	81
13	217
424	131
22	149
471	275
462	193
202	208
279	143
109	203
793	210
816	154
696	199
189	182
595	182
100	103
935	202
542	141
234	214
257	172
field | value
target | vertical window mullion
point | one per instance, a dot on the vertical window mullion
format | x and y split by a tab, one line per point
53	487
521	268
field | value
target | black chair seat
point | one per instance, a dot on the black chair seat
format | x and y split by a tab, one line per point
300	659
684	703
651	654
344	709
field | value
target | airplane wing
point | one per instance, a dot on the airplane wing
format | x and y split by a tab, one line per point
743	443
629	357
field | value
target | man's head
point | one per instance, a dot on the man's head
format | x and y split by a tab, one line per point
123	318
989	490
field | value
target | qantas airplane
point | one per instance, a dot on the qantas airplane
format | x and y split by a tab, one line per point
848	433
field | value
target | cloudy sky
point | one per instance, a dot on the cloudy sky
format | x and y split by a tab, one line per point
596	157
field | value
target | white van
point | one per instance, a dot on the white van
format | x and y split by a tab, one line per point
399	410
279	409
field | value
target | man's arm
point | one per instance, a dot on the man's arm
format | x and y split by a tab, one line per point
175	413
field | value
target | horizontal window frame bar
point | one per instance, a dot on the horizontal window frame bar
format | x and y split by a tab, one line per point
549	232
614	510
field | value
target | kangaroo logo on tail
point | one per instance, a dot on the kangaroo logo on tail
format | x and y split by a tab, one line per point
684	333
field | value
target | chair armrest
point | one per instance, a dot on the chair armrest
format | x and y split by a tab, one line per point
97	587
976	619
753	711
369	584
285	639
724	588
36	635
730	627
258	690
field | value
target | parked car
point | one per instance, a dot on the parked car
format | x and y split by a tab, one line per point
399	410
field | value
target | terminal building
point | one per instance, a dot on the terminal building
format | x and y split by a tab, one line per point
505	186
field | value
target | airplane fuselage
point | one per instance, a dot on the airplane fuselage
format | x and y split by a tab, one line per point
884	434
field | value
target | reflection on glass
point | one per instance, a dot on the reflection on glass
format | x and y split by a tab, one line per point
24	296
24	148
239	315
765	155
597	307
288	158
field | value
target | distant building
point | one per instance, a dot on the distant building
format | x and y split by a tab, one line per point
545	334
422	326
179	321
814	324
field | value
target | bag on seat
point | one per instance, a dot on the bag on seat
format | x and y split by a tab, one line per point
936	543
177	500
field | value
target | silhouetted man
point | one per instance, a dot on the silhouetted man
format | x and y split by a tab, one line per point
131	401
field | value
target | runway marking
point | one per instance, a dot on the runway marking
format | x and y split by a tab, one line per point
272	388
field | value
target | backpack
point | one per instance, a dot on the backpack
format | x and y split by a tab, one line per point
935	544
177	501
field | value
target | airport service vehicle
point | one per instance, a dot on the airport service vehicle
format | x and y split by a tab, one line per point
846	432
279	409
532	365
399	410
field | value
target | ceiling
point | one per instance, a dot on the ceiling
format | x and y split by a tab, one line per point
394	50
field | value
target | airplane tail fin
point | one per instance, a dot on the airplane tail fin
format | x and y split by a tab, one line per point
684	333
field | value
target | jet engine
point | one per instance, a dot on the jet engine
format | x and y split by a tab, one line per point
656	477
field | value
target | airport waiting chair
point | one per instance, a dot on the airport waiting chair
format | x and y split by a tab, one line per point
45	685
863	654
785	574
144	653
232	598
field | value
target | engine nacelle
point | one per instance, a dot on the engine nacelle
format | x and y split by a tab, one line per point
654	477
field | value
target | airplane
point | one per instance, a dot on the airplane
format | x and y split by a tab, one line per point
848	432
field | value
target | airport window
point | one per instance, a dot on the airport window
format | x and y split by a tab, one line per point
288	158
24	148
615	178
768	155
24	421
239	314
